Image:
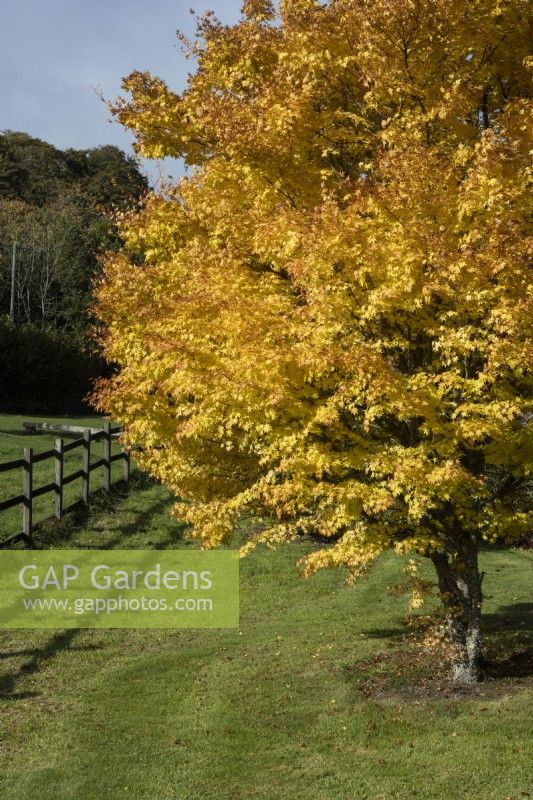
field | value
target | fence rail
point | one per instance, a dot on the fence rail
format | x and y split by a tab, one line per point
60	479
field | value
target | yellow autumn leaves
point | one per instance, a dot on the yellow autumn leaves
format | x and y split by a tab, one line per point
329	321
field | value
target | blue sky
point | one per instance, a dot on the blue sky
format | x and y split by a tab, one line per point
54	53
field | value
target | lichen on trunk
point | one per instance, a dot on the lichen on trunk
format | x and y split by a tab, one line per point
459	582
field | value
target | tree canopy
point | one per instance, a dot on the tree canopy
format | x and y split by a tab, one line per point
328	322
36	172
58	206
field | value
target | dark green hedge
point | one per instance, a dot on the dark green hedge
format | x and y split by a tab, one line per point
44	371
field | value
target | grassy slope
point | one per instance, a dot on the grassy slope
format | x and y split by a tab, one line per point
272	711
13	440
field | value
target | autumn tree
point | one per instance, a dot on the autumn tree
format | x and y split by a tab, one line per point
328	320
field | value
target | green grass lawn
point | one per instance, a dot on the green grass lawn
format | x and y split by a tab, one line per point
311	699
13	440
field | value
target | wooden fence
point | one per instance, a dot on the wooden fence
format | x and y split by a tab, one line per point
29	493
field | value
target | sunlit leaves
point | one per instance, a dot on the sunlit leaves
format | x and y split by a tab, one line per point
329	322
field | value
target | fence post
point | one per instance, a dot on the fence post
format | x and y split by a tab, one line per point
107	456
86	466
126	466
28	496
59	478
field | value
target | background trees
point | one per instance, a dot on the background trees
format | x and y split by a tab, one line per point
330	320
58	207
37	172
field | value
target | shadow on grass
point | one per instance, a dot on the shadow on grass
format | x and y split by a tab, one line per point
515	617
59	642
507	659
508	646
52	533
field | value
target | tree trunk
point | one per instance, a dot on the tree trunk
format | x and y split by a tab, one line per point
460	587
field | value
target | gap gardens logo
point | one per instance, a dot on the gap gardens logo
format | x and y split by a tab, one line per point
119	589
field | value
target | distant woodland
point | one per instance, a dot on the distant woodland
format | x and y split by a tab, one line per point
56	209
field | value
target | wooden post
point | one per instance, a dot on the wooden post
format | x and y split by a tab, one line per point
86	466
107	456
59	478
126	466
28	496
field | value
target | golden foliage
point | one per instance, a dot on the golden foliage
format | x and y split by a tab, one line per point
329	320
